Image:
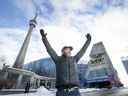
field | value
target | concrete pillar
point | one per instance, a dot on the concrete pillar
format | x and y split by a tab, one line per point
5	75
52	84
38	83
32	82
46	83
19	81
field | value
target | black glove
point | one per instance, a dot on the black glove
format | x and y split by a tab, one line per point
88	36
42	33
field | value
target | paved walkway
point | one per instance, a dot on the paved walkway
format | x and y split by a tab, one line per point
14	91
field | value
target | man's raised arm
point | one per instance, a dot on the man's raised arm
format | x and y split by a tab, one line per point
50	50
83	49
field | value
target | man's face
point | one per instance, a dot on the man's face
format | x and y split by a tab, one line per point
66	52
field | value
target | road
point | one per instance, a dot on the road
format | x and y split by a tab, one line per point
101	92
107	92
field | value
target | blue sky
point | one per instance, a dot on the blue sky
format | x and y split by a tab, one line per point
10	16
15	13
105	20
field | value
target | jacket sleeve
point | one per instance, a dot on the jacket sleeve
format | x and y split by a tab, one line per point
82	51
49	49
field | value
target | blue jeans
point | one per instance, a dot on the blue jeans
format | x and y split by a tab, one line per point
68	92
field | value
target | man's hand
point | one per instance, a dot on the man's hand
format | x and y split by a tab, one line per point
88	36
42	33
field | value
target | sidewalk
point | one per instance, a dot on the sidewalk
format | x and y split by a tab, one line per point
14	91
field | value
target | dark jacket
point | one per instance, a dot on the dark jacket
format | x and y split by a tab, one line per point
27	87
66	67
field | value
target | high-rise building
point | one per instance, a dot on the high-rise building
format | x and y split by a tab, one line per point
101	72
21	56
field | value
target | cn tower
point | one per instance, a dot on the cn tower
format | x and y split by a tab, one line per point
22	53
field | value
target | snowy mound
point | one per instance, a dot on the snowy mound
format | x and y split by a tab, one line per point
43	92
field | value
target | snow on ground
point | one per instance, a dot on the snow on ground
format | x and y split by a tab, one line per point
44	92
40	92
88	90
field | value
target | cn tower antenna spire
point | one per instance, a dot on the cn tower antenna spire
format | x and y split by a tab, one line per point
35	16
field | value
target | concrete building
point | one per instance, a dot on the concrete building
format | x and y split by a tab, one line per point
101	72
15	78
125	63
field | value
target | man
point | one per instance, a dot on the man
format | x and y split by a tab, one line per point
27	87
67	81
